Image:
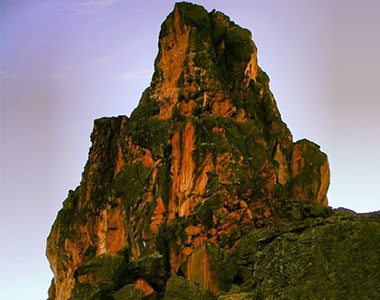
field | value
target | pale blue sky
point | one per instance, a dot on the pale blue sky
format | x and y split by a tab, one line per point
65	63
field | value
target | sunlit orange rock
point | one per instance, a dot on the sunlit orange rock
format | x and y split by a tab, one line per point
203	159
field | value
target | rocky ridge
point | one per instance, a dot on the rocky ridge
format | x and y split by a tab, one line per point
203	193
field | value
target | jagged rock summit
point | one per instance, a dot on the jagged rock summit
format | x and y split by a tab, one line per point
202	193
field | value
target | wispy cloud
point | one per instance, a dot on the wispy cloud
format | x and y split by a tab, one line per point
89	6
134	75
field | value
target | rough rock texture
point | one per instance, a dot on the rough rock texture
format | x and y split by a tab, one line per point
202	191
335	257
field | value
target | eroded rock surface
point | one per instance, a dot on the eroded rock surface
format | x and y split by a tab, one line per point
168	195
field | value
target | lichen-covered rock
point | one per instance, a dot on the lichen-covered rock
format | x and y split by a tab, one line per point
204	160
129	292
86	292
105	271
151	267
322	258
237	296
179	288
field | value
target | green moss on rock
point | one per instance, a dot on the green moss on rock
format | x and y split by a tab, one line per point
192	14
179	288
222	265
268	239
104	271
87	292
151	267
130	183
128	292
329	259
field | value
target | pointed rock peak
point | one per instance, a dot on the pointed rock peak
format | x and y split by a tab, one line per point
204	62
185	14
203	161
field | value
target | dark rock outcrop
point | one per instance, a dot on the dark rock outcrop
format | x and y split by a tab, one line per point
202	191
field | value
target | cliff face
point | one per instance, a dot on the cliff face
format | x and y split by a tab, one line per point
169	195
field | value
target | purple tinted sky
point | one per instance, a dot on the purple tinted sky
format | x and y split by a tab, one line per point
65	63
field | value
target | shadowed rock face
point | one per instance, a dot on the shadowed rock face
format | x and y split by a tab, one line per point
203	161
